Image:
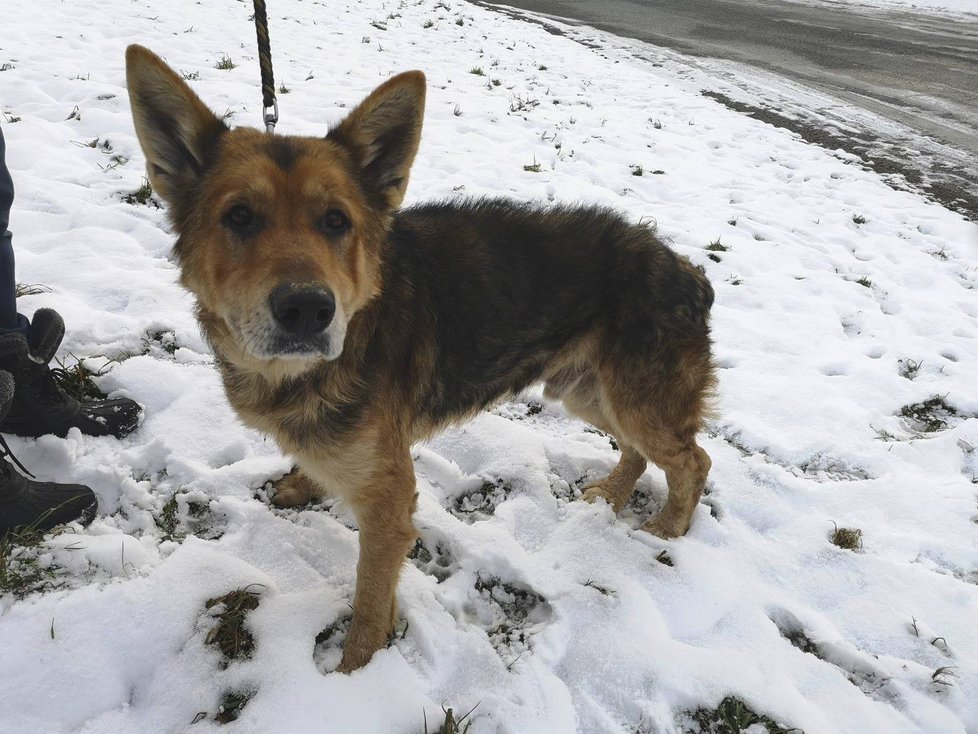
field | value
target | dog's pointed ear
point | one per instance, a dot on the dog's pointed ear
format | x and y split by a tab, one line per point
383	134
175	129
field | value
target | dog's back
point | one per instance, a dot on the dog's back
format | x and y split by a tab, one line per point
504	294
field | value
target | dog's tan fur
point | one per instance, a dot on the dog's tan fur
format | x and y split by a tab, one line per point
440	310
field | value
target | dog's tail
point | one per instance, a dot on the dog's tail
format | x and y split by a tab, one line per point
698	294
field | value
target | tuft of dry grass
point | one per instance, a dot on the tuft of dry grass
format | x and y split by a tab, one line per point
232	702
929	416
847	538
944	676
229	634
77	379
142	195
167	522
29	289
22	569
231	705
732	716
603	590
21	573
451	725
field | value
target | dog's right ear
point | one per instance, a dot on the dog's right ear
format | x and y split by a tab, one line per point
175	129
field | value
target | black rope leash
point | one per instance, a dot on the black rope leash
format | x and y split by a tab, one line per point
270	104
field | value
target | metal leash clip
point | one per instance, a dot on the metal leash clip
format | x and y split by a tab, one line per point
271	117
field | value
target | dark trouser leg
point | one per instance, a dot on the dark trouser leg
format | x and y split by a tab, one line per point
9	320
8	289
6	187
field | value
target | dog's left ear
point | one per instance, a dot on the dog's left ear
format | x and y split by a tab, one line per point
383	133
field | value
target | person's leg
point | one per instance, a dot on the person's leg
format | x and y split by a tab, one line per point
9	319
6	187
39	406
26	502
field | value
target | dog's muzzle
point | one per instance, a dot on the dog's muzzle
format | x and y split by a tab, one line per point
303	311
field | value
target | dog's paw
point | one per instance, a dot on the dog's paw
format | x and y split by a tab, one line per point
294	489
353	660
665	527
599	490
360	645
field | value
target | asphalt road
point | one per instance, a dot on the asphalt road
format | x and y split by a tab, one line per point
919	70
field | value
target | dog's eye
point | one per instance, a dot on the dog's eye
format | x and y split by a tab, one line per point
334	222
240	218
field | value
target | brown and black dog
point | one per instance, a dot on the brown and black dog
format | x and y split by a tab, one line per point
349	329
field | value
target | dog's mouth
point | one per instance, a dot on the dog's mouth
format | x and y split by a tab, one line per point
262	338
286	346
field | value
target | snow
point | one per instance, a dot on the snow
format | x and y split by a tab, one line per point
543	613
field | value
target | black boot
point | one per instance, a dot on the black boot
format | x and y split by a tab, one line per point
40	406
37	505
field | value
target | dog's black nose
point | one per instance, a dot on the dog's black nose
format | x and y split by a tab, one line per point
302	310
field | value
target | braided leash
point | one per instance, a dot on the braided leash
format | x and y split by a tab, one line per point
270	104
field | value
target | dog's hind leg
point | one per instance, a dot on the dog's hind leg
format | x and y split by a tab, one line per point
582	398
686	466
659	413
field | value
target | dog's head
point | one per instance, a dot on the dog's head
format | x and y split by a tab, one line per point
280	238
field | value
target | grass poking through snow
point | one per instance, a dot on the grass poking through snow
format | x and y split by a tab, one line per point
28	289
78	380
929	416
450	725
167	522
142	195
25	565
847	538
231	705
732	716
229	634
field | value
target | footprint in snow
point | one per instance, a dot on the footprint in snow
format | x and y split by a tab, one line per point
511	613
858	667
433	557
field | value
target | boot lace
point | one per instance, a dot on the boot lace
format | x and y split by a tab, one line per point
7	453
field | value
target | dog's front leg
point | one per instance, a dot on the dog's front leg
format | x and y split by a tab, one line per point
383	510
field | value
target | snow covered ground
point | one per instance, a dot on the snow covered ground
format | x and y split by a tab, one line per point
841	304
